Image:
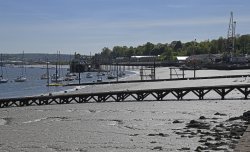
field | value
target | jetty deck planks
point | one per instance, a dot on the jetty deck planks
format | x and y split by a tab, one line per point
200	92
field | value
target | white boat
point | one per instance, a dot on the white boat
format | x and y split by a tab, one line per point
55	78
69	78
89	75
44	76
111	76
99	79
100	74
3	80
20	79
70	74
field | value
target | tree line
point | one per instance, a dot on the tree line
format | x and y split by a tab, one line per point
169	51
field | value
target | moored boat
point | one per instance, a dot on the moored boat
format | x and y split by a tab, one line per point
3	80
99	79
89	75
44	76
20	79
56	78
111	76
68	78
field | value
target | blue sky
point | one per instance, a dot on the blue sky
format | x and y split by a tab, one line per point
84	26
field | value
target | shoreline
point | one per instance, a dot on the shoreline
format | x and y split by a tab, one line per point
128	126
34	86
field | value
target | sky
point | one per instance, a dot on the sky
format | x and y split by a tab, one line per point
87	26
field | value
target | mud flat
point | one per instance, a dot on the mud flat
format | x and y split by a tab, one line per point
213	125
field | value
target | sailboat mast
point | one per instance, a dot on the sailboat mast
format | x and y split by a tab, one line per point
22	63
59	60
1	65
47	71
56	65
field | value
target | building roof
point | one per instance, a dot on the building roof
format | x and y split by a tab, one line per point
149	56
181	58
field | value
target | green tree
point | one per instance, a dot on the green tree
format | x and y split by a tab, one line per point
130	52
106	52
148	48
177	48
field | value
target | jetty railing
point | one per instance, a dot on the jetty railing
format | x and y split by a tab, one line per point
219	92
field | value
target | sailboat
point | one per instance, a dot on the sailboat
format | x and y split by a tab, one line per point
56	77
22	77
46	75
2	79
89	75
99	79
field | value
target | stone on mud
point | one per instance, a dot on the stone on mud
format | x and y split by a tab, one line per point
198	124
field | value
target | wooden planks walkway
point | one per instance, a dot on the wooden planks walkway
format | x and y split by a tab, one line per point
133	95
157	80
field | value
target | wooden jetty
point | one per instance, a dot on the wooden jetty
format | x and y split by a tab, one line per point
132	95
156	80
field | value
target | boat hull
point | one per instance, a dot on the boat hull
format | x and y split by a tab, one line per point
20	79
3	80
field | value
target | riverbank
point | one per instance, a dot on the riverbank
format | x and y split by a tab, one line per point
126	126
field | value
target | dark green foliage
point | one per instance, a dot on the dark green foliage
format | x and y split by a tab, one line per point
177	48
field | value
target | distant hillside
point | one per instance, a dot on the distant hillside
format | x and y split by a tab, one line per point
37	58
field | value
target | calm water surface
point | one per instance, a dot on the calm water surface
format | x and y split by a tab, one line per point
34	85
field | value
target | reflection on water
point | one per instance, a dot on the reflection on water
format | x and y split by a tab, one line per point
34	84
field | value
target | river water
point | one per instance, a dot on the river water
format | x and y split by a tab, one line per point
35	85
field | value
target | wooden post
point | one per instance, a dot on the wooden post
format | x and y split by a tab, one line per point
79	74
117	71
170	73
183	74
154	69
194	69
141	73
